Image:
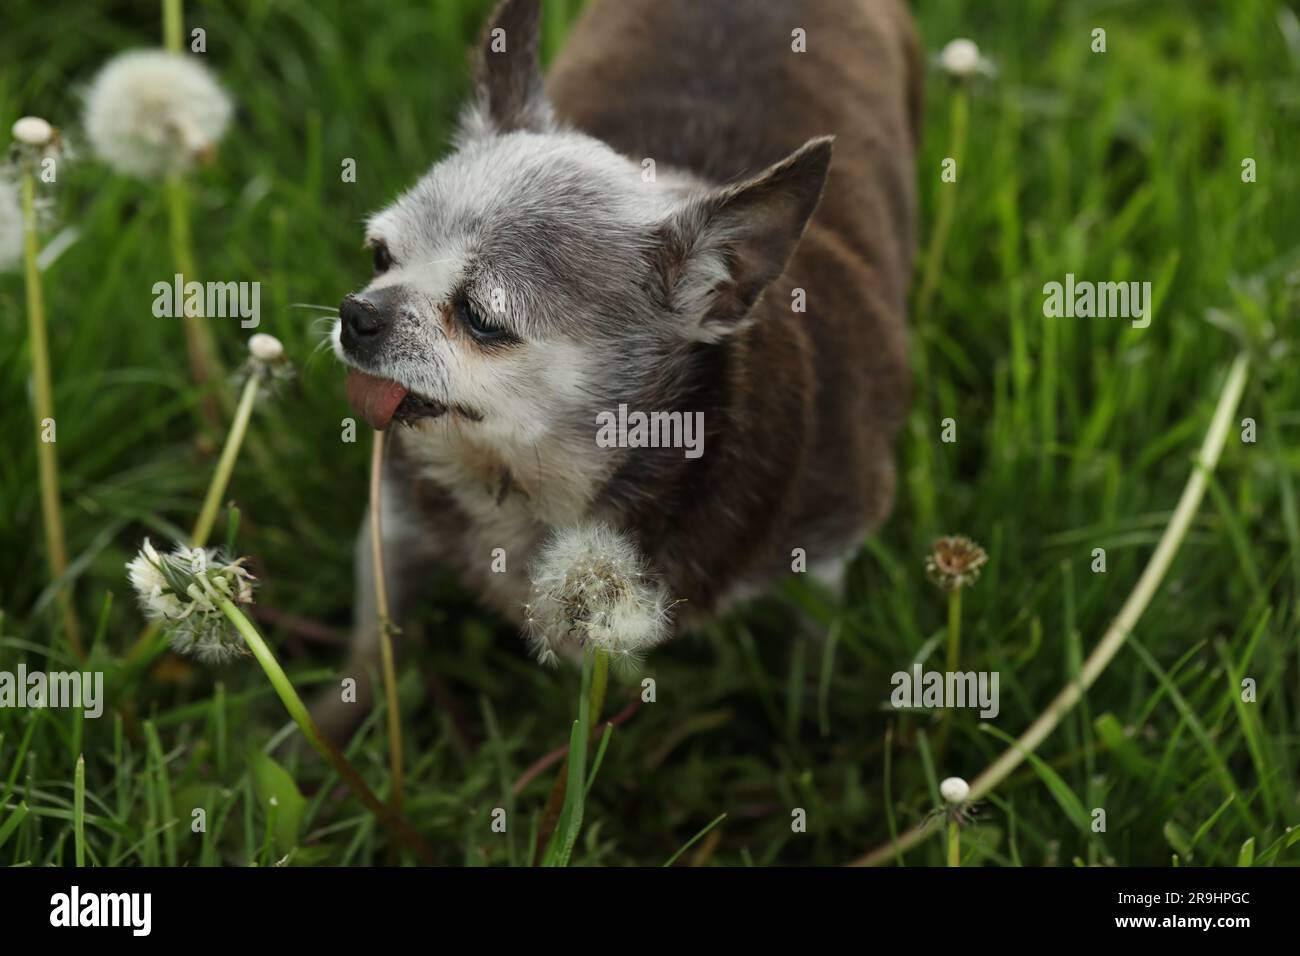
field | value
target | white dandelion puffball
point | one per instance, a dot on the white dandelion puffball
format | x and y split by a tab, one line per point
33	131
954	790
181	592
961	58
150	112
591	586
11	227
265	348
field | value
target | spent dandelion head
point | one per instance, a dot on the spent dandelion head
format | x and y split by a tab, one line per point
267	362
35	140
961	59
954	562
182	591
34	133
954	790
591	588
957	805
150	113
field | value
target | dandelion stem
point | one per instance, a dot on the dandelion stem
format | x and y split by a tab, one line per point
199	345
298	711
1111	642
954	843
593	701
954	630
146	646
385	622
79	811
954	661
226	464
173	25
47	460
947	205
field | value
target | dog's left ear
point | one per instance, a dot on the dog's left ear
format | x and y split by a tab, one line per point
509	93
714	257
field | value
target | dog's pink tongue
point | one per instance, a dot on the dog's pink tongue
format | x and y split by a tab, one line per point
376	399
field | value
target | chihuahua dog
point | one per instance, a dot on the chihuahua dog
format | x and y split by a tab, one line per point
707	212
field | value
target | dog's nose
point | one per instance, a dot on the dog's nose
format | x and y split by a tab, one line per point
361	317
365	322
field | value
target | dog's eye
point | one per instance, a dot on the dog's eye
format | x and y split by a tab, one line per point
383	261
483	331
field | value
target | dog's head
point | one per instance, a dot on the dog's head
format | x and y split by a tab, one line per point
535	276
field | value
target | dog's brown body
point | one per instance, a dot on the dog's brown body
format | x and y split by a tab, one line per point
801	407
802	416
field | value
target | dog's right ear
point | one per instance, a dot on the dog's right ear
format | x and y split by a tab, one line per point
509	92
714	257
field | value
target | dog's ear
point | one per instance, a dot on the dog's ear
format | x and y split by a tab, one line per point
509	94
716	255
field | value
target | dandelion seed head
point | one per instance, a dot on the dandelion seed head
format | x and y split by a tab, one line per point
588	589
150	112
181	592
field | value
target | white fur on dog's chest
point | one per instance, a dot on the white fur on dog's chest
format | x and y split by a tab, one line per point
507	510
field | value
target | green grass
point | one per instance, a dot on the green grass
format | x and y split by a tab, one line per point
1073	434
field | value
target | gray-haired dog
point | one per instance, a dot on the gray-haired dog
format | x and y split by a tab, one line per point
659	231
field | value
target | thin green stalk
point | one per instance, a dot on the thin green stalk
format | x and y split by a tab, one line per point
954	843
147	645
200	346
1111	642
959	122
954	663
556	814
226	464
173	25
954	630
385	622
79	810
595	672
302	717
47	461
695	839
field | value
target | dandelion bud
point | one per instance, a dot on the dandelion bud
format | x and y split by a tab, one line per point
954	790
590	585
149	113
